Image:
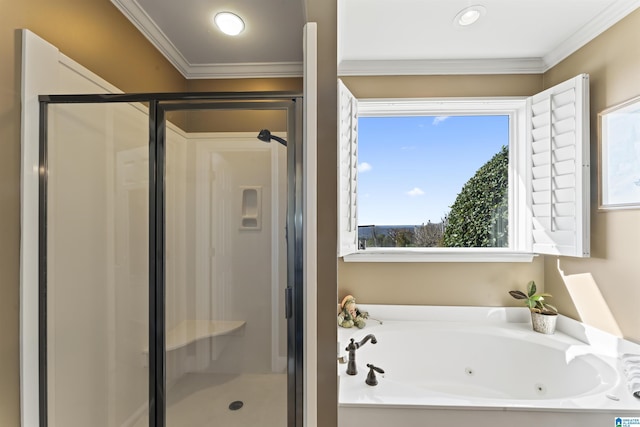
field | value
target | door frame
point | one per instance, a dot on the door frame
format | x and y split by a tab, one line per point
159	104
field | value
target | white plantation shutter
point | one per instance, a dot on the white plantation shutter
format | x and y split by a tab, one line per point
558	150
347	170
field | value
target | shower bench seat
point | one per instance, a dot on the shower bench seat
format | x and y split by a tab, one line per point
188	331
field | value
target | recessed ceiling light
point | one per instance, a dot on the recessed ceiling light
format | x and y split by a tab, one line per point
469	15
229	23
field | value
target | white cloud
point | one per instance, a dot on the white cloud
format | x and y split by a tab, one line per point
415	192
364	167
439	119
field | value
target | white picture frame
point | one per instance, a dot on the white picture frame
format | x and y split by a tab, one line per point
619	156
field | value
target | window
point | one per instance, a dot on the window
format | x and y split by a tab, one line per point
546	204
439	170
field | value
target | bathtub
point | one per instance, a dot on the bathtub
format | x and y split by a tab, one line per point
481	366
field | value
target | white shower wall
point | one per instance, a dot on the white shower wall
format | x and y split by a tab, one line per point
239	268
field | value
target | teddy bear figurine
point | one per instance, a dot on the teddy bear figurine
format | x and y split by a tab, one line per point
350	315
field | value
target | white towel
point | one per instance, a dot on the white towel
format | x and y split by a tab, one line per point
630	361
634	388
631	357
633	377
631	366
633	370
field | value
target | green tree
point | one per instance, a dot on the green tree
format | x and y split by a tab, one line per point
479	216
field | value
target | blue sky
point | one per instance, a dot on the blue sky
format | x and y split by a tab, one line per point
410	169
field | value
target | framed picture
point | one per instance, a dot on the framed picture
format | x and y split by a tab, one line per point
619	156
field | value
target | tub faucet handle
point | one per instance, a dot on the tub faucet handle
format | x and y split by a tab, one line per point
371	377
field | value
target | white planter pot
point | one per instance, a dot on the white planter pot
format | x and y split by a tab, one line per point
544	323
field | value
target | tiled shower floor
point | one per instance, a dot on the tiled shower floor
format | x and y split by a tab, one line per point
199	400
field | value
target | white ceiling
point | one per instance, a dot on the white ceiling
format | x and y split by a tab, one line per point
183	30
375	36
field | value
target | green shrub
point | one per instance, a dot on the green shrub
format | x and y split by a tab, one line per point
479	216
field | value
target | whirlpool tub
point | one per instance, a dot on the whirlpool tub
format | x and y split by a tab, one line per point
482	367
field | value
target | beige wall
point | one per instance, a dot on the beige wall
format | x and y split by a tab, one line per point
235	121
443	86
474	284
610	279
439	283
240	121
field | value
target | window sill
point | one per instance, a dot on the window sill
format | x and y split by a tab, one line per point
438	255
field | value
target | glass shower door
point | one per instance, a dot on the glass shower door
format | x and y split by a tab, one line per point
95	263
225	272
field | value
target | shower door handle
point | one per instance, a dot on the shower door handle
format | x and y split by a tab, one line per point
288	302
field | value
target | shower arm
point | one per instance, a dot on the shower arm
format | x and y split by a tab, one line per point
266	136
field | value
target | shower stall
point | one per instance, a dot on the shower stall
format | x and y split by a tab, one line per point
170	264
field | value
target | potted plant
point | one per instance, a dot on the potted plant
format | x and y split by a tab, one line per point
543	314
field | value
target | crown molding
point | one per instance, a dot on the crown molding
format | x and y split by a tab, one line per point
244	70
590	31
143	22
441	67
